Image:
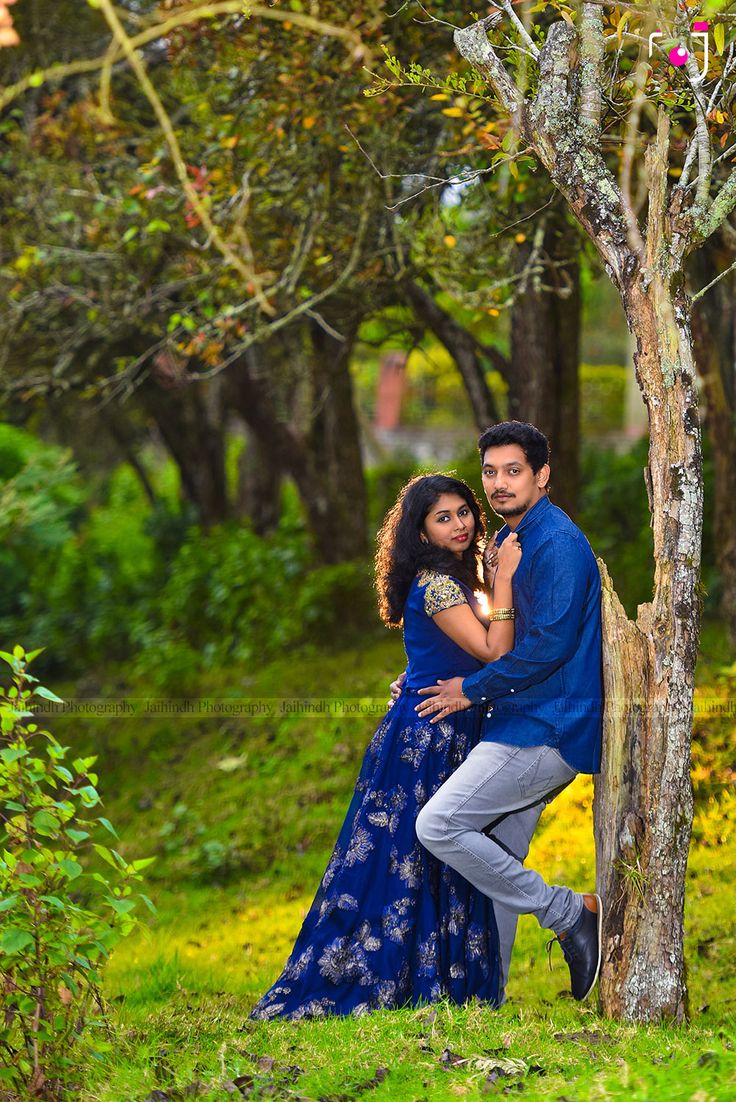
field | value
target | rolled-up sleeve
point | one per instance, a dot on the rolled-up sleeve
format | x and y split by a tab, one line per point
559	581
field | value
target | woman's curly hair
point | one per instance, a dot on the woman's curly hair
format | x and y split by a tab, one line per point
401	552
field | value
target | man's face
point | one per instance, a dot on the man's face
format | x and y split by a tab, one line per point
510	484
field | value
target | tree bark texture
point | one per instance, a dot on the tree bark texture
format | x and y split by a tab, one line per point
190	417
643	800
259	484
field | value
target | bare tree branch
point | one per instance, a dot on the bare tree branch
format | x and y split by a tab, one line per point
592	48
473	44
244	269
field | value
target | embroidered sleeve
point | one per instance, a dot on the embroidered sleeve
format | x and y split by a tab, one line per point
440	592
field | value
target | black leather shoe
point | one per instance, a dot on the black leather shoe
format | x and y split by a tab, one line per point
581	947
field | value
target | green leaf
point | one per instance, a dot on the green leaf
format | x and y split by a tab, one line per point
719	34
142	863
122	906
47	694
77	835
28	880
39	650
72	868
12	753
8	902
158	225
130	233
54	901
45	823
108	826
13	940
151	906
106	855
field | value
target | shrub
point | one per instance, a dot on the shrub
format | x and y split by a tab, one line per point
233	595
40	498
58	918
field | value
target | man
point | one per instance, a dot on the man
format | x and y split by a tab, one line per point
543	712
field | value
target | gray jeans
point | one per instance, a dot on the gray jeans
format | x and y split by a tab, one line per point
480	822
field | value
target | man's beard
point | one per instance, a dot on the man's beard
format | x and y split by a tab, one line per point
514	511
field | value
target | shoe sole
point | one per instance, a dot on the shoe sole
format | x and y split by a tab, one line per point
600	949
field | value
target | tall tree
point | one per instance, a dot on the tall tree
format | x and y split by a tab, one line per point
565	99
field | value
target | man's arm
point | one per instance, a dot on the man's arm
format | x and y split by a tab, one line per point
559	580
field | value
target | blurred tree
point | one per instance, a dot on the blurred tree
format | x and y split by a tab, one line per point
714	332
135	308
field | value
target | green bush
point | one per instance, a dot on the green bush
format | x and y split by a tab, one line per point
102	573
41	498
231	594
58	919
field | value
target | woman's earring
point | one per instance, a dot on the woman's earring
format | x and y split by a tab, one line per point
423	538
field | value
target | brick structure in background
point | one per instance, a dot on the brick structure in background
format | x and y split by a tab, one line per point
8	33
390	391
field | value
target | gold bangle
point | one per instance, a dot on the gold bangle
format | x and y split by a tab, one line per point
502	614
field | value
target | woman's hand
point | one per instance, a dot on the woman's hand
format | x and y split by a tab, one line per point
490	560
509	556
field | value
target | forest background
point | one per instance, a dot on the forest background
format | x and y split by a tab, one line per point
191	478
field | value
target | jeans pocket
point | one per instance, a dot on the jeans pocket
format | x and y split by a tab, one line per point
548	773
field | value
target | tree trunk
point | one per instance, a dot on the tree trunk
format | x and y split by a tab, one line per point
464	349
714	330
190	417
545	356
322	451
260	472
643	798
334	494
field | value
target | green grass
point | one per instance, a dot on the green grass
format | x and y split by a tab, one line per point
236	872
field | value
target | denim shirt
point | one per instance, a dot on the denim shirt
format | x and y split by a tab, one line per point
547	691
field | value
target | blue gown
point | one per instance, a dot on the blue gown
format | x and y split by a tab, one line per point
390	925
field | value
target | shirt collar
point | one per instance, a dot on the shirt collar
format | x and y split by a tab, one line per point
533	516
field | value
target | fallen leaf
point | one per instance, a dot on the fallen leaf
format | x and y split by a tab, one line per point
451	1058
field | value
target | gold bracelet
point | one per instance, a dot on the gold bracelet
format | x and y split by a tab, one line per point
502	614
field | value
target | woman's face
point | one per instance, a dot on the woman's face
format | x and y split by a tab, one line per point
450	524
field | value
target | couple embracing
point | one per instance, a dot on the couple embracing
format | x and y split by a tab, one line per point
495	714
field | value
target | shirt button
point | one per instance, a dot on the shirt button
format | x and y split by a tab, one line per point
511	690
484	698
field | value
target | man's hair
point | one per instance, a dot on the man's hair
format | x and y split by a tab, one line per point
533	443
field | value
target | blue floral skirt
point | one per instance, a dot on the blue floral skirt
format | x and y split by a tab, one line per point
390	925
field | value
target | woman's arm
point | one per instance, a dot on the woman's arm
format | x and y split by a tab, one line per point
463	626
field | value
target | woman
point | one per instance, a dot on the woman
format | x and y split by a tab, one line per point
390	926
